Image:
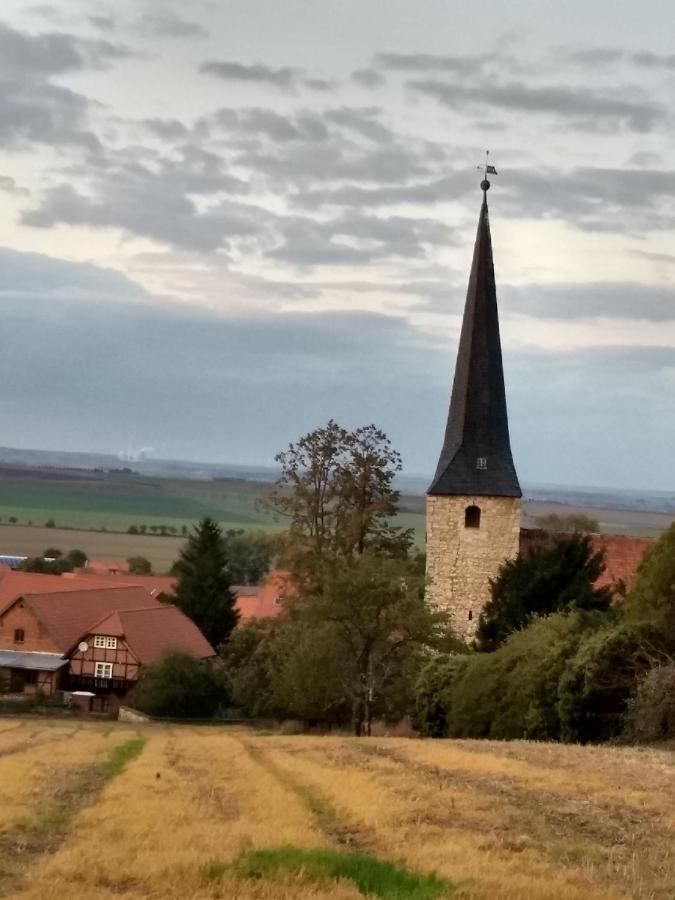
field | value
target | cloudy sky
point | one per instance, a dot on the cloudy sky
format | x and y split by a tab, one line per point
224	222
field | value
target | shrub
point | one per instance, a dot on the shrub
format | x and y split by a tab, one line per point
178	685
551	578
596	686
651	712
511	693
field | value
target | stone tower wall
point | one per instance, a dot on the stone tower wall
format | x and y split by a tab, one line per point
460	560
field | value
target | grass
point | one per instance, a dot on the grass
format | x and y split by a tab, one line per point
120	756
373	877
197	816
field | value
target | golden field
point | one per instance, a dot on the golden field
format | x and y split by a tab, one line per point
109	810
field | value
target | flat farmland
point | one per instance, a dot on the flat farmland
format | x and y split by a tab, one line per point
30	541
109	810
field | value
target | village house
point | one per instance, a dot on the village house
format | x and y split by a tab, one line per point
89	639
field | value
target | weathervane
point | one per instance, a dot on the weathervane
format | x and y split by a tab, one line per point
487	170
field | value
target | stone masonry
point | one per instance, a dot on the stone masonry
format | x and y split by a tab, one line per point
461	561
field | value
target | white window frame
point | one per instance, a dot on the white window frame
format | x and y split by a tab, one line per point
103	642
103	670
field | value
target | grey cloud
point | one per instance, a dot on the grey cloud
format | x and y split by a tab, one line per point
427	62
283	78
154	200
587	109
590	301
168	129
620	200
168	24
43	113
102	22
437	190
355	239
9	186
368	78
601	56
32	108
323	85
41	55
305	125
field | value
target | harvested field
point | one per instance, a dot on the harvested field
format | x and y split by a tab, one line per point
107	810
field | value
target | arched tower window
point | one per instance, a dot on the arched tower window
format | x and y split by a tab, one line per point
472	517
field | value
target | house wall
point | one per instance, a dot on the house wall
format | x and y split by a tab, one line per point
36	636
125	664
461	561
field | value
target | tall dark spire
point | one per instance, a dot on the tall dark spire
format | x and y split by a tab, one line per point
476	456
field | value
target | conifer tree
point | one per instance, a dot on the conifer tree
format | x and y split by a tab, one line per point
203	583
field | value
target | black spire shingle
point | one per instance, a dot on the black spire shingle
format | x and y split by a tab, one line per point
476	456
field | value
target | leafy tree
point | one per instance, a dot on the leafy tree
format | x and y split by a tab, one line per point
132	529
180	686
52	553
76	559
12	520
139	565
248	658
249	555
651	597
50	523
203	582
336	490
551	578
377	608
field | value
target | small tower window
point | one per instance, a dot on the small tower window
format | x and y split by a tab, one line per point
472	517
481	462
19	635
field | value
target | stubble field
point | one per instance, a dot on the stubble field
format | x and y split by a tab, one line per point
116	811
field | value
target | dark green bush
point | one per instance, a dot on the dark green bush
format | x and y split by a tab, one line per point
651	712
180	686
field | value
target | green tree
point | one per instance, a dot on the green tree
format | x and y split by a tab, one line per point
651	597
249	555
336	490
203	582
551	578
52	553
50	523
248	658
132	529
139	565
380	618
180	686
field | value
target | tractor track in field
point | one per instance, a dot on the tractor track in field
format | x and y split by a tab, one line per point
343	835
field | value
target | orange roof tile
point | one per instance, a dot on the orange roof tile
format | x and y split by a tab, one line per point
263	601
67	615
154	630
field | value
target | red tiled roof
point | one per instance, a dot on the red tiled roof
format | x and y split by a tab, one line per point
13	583
154	630
263	601
623	555
67	615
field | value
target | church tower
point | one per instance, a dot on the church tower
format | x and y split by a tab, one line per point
473	503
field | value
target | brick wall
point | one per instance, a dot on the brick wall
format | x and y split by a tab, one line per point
461	561
36	636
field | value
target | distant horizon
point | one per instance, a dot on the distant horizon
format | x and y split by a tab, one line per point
270	467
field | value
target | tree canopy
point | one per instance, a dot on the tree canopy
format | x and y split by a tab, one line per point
203	582
550	578
336	489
